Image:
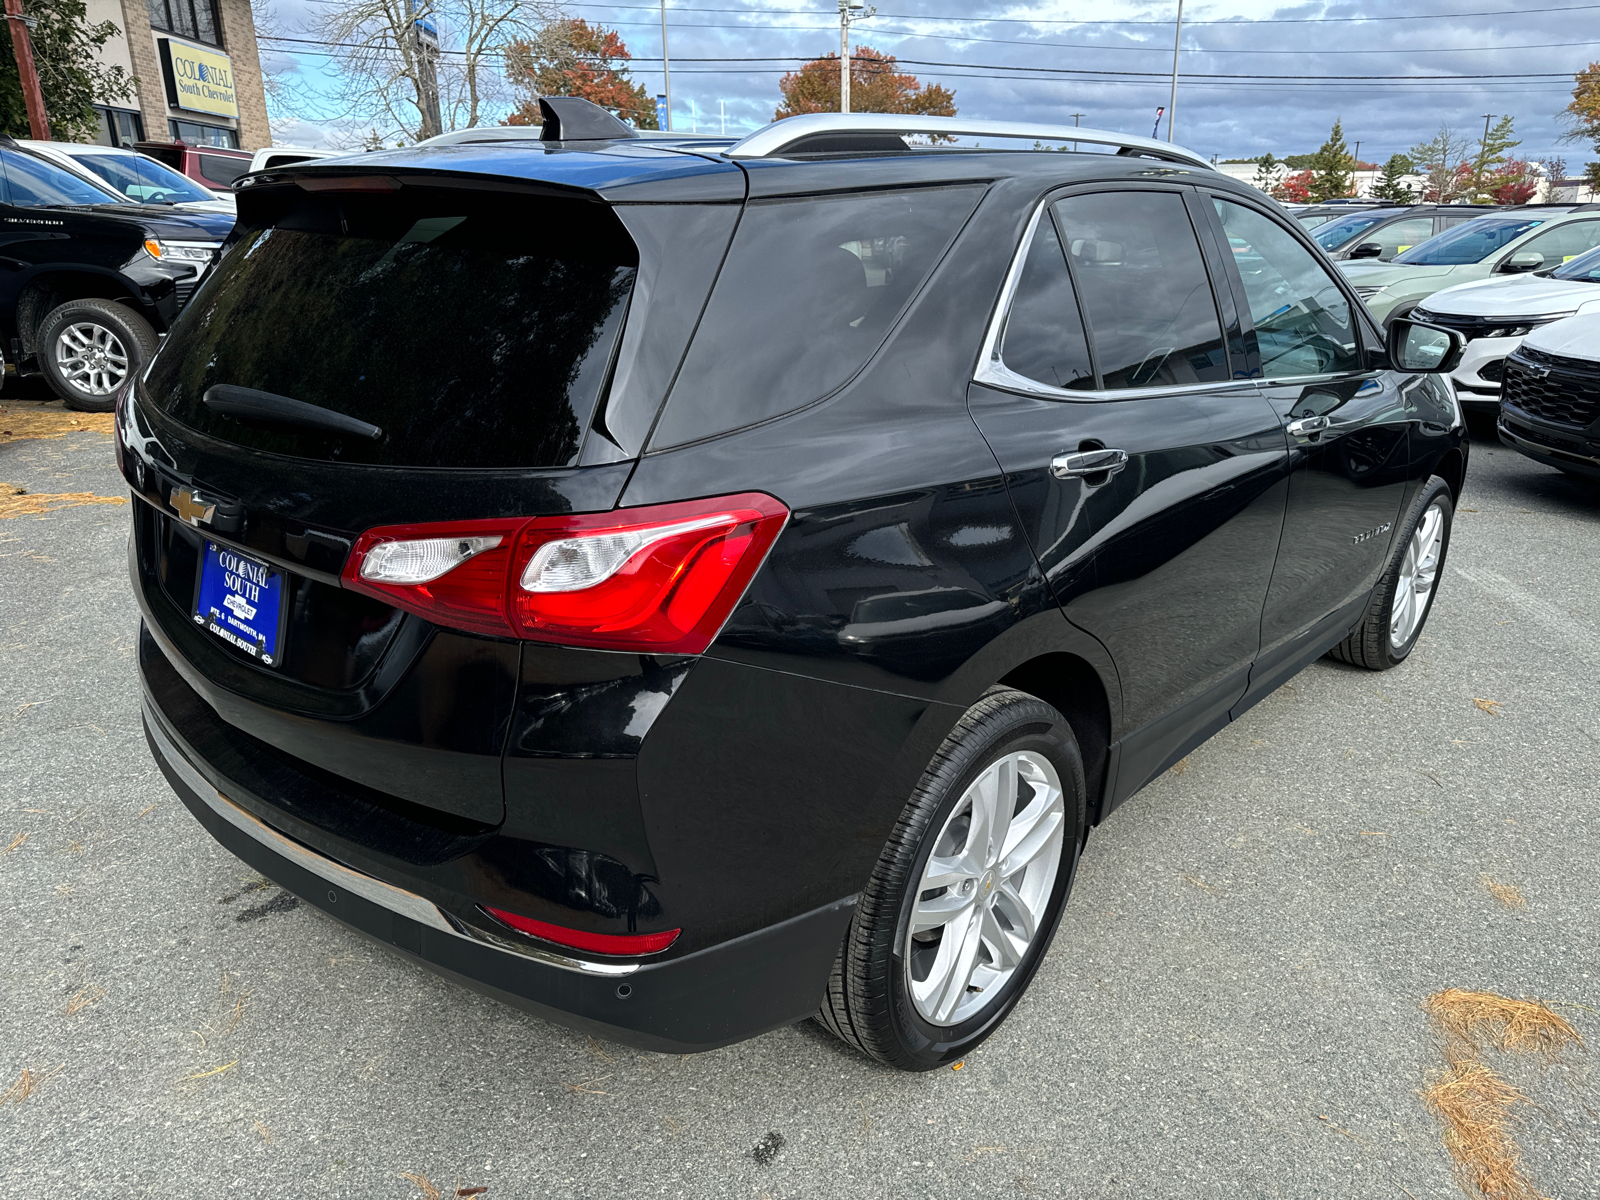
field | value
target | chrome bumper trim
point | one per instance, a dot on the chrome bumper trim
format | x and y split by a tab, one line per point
384	895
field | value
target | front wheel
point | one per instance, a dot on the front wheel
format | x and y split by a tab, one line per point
966	896
1403	599
89	348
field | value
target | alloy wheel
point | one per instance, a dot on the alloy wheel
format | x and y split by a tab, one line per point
1418	572
985	889
91	358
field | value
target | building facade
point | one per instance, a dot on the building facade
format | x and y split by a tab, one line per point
199	73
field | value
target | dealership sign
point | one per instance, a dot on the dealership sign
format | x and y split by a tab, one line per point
198	79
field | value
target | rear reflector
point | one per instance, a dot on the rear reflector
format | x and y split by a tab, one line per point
577	939
660	579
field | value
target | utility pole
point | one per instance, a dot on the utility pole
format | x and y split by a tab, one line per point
849	10
424	50
1172	104
32	95
1075	119
722	111
666	63
1355	170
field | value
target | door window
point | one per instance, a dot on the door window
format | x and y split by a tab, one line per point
1401	236
1043	338
1145	292
1564	243
1303	322
34	183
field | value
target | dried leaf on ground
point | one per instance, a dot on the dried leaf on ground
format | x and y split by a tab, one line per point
1507	893
15	842
27	1084
19	424
1492	707
429	1192
1470	1019
17	502
85	998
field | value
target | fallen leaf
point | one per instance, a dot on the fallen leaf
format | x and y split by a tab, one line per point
1492	707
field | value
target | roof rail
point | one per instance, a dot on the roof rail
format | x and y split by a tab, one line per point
791	133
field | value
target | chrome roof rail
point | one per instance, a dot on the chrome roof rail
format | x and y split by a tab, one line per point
772	140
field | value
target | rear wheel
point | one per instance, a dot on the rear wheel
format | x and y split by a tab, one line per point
966	896
88	349
1404	596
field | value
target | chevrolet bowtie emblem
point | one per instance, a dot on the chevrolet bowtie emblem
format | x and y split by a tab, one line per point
190	507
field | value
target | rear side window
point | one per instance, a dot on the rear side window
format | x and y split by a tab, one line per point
810	289
1144	289
1043	338
473	330
221	170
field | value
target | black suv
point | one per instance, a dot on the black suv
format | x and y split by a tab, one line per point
678	588
1382	233
88	279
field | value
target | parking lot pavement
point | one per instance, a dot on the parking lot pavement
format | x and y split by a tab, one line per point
1230	1008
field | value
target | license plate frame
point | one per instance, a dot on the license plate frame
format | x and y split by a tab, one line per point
231	590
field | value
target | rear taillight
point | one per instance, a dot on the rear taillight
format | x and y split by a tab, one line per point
578	939
662	578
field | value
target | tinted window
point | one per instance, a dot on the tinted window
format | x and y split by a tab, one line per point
455	324
1043	337
1302	319
1333	234
33	183
193	18
222	171
143	179
1471	242
1564	243
809	290
1586	268
1144	289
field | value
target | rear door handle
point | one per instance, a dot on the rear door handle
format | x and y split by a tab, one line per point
1307	426
1088	462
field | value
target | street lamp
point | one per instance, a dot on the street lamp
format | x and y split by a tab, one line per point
849	10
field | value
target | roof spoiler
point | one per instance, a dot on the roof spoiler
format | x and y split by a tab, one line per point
833	132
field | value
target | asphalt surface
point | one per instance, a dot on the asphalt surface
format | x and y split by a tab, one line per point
1231	1007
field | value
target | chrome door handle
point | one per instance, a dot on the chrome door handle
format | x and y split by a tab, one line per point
1088	462
1307	426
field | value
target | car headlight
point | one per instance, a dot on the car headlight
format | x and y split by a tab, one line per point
1367	293
195	252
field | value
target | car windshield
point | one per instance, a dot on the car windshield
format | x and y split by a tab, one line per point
1583	269
144	179
1470	242
33	183
1340	230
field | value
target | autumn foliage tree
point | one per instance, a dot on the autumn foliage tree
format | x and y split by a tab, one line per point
1584	116
1296	188
574	58
875	86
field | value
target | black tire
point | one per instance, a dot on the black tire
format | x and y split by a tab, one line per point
868	1003
1369	644
120	329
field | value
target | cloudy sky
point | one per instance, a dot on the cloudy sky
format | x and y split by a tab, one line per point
1256	76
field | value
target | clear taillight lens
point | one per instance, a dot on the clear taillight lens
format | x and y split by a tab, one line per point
422	560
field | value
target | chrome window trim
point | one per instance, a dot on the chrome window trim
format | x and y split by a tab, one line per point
384	895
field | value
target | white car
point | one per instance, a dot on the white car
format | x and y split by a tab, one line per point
1497	313
136	176
281	156
1550	408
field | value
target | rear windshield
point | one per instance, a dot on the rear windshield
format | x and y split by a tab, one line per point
1470	242
221	169
474	330
810	289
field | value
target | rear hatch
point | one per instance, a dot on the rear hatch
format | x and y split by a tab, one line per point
459	342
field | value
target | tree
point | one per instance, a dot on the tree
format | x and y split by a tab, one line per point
1515	181
1266	177
1296	188
1583	116
875	86
376	82
71	76
1330	167
1390	185
574	58
1443	163
1494	152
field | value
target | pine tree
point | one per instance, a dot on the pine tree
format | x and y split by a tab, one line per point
1330	167
1389	185
1266	177
1494	151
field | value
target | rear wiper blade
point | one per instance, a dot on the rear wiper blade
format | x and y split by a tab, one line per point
246	402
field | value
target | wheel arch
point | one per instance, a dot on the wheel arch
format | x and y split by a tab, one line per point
1072	686
1452	468
48	290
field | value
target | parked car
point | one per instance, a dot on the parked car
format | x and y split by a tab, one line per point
137	176
1514	242
1495	314
751	611
214	167
1382	233
1313	216
269	157
1550	397
91	278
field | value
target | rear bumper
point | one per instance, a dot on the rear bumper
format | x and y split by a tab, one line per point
725	993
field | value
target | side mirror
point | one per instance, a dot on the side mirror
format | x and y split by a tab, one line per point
1522	261
1424	349
1367	250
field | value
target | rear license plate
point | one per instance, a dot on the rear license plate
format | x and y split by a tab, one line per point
241	601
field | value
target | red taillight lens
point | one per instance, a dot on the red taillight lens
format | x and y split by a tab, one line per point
577	939
661	578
